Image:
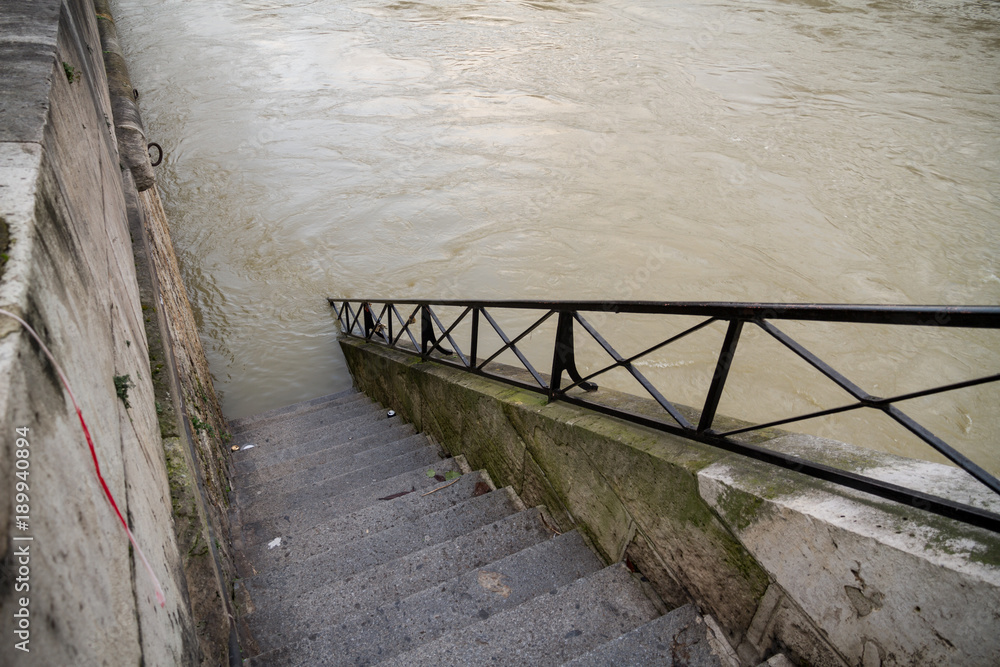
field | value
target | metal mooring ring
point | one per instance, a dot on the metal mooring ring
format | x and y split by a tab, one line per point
159	148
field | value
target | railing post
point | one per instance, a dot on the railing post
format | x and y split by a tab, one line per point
563	347
564	357
426	331
369	320
388	314
474	343
721	373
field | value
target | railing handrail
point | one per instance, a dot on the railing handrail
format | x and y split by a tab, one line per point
972	317
363	322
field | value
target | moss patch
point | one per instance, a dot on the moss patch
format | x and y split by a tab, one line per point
943	535
740	509
4	244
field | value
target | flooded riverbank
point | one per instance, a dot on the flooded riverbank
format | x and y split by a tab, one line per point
837	151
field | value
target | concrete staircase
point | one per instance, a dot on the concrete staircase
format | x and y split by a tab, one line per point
359	544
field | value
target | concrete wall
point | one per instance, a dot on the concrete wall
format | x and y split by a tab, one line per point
781	561
195	433
66	200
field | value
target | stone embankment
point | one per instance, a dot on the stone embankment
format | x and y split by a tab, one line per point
87	261
782	561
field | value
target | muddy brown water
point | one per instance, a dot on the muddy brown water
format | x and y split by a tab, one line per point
835	151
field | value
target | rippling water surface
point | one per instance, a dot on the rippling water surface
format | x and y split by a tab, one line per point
760	150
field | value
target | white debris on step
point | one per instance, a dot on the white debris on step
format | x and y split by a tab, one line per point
276	542
246	447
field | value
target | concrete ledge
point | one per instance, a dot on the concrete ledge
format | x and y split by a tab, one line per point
879	578
784	562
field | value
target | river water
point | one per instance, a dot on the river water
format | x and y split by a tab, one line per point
841	151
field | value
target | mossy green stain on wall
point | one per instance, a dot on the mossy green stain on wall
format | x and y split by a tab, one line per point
945	536
751	572
741	509
4	244
612	477
988	556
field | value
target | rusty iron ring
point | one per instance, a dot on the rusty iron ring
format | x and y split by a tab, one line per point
159	148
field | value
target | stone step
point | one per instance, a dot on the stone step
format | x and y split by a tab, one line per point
305	427
549	629
310	471
423	569
405	576
265	529
282	587
311	425
331	446
339	406
679	638
373	635
306	499
249	422
310	540
351	553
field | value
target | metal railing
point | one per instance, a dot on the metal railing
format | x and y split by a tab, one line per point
381	321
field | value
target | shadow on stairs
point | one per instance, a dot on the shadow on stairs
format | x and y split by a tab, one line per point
359	543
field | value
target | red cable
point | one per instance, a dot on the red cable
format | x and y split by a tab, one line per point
93	453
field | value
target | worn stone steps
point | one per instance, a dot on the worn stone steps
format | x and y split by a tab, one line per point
356	547
347	558
249	422
321	451
676	639
310	426
549	629
300	544
293	413
305	499
371	635
268	527
316	422
272	451
326	464
409	574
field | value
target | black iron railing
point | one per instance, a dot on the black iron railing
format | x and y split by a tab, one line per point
425	336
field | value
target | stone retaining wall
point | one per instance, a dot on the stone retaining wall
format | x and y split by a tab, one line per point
70	217
780	560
